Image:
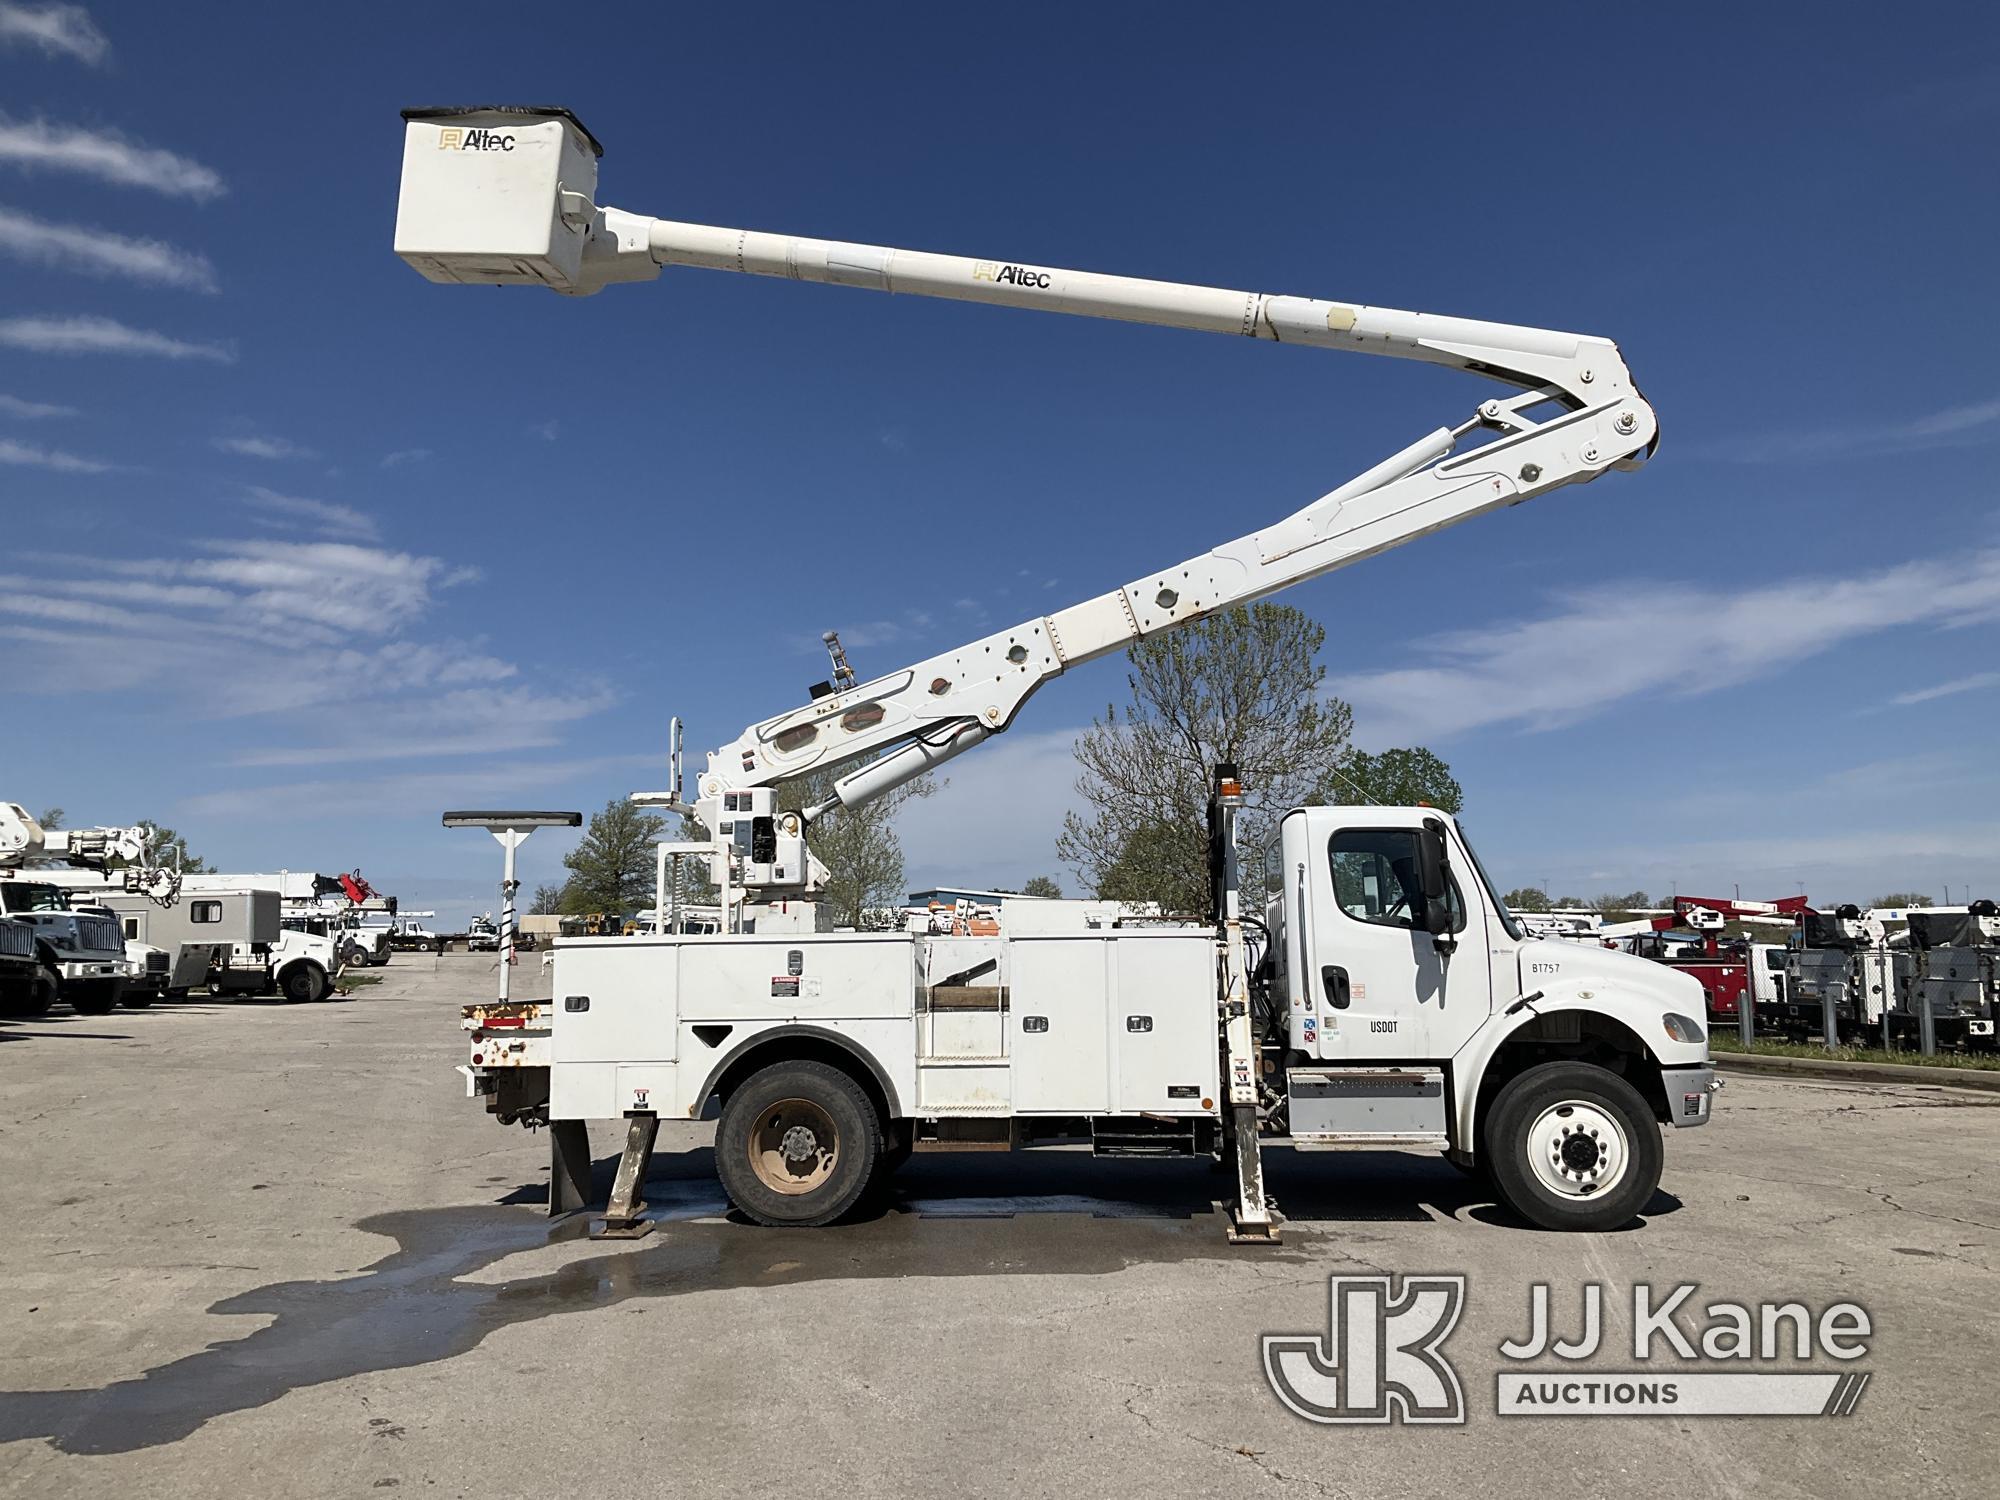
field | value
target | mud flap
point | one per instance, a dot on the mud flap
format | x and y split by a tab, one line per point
569	1166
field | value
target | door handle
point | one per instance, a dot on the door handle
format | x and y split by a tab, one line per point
1334	978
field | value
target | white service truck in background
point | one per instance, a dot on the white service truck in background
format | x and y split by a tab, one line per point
1382	997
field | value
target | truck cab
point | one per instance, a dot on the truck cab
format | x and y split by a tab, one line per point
83	952
1409	991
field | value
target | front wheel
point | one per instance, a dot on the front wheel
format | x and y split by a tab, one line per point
797	1145
93	997
1573	1146
138	999
304	983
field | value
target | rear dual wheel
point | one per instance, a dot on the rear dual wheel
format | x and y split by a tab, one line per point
798	1145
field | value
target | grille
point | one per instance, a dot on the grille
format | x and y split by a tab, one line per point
100	934
17	939
156	963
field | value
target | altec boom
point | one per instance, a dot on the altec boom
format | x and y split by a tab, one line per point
832	1054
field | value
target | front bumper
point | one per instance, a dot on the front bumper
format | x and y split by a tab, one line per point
1689	1094
92	969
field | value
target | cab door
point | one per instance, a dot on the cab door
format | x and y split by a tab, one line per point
1379	983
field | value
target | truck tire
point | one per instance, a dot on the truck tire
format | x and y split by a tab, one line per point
48	989
1573	1146
303	982
136	998
39	997
797	1145
92	997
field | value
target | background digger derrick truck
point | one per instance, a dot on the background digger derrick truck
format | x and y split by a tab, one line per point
1382	996
79	953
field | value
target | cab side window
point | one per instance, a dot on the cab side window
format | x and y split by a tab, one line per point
1376	879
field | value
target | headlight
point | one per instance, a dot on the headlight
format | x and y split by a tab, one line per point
1681	1028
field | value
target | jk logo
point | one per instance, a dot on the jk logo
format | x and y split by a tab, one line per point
1379	1360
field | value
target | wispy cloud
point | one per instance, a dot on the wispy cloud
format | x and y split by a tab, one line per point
318	648
263	447
57	30
50	458
99	252
14	406
326	517
1575	661
405	456
1949	689
88	334
468	721
36	145
1975	422
406	793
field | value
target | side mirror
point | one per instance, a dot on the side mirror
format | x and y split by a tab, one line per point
1436	882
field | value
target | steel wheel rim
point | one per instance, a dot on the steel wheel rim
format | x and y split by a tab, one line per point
1578	1149
794	1146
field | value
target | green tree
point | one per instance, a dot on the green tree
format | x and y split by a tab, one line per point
1528	898
1042	885
611	869
1634	901
696	888
169	848
51	818
1902	898
1394	778
858	845
1243	686
546	902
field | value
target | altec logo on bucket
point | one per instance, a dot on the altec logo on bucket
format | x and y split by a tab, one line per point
1381	1358
455	138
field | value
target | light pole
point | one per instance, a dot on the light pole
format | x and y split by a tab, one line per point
512	830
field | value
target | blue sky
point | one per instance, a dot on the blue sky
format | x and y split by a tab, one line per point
304	549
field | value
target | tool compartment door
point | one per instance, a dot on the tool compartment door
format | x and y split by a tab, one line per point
1059	1017
616	1003
1165	1038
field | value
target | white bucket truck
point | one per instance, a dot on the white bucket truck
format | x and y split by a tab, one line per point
1383	996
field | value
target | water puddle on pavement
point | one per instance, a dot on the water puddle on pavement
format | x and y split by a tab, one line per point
413	1306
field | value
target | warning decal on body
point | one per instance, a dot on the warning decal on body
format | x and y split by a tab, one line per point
785	986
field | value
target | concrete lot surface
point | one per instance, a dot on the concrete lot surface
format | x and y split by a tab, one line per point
267	1250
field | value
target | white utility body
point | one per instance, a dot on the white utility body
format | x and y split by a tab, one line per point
1381	996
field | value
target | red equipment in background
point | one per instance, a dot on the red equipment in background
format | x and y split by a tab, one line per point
1721	964
357	889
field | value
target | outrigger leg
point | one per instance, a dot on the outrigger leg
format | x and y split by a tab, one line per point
1252	1220
569	1166
622	1219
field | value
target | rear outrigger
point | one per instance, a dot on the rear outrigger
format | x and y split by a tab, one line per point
1381	995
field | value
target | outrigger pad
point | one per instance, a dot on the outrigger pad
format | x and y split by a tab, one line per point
622	1218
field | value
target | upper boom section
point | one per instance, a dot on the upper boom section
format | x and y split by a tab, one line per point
24	843
506	195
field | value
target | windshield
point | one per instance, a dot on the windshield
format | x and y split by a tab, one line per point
1507	919
21	895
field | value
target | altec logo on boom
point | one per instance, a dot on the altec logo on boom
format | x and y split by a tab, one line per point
993	270
454	138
